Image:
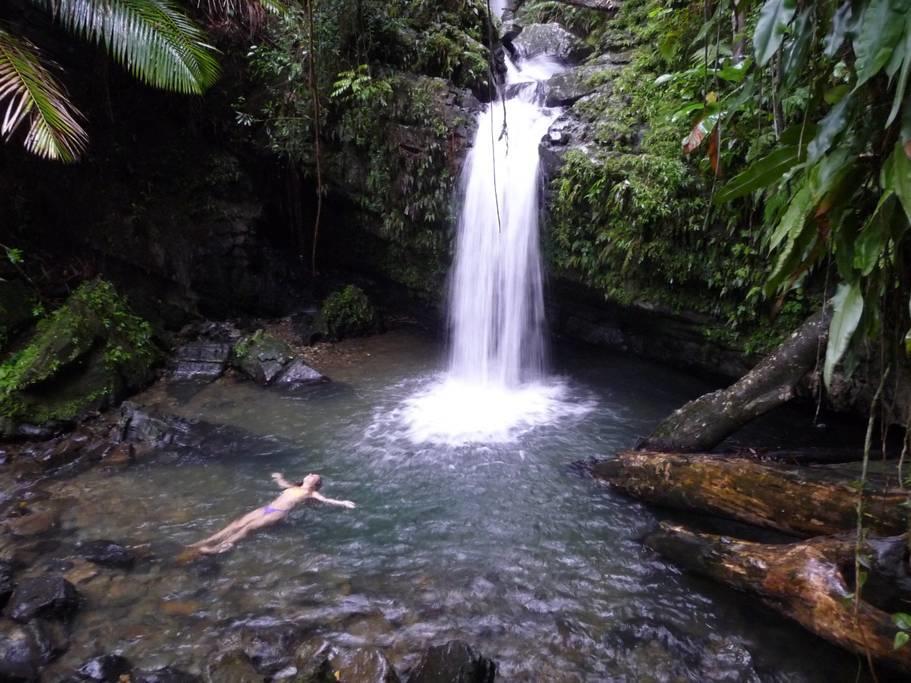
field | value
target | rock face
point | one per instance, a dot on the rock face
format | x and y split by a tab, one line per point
313	663
552	39
51	597
16	302
454	662
571	85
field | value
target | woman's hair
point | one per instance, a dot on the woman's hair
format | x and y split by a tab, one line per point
316	487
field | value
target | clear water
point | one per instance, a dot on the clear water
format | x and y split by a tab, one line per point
502	545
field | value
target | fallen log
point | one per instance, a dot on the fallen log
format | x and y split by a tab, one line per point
804	581
705	422
803	501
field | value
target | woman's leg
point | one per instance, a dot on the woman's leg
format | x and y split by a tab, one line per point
232	528
241	533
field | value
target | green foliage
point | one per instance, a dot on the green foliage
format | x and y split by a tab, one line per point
94	319
632	217
349	313
154	40
828	93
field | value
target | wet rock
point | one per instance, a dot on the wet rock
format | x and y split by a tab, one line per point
299	373
313	663
261	357
142	425
552	40
20	655
567	133
34	524
107	554
573	84
6	582
51	597
364	665
454	662
232	666
61	452
51	637
167	674
269	644
106	669
201	361
120	455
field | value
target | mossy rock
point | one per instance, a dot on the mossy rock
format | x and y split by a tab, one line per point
261	356
90	352
349	313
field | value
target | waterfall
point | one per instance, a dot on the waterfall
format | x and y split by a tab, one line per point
496	298
495	387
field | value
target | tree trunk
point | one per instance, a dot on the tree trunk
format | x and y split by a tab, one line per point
803	581
705	422
803	501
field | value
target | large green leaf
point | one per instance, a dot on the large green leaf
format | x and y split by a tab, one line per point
794	218
848	308
896	177
153	39
879	30
874	238
770	29
836	37
760	174
829	127
34	99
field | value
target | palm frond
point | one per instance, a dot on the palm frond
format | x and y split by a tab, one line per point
153	39
229	16
34	98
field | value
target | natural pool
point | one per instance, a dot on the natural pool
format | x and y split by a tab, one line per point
503	545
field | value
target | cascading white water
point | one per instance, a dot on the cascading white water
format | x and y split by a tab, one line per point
496	297
495	385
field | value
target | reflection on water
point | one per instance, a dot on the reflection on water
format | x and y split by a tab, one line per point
499	544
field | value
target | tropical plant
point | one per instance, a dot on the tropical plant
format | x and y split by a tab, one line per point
154	40
826	94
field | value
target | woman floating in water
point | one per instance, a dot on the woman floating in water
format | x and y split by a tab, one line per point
272	513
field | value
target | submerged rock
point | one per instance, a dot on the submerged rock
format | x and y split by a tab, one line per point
269	644
167	674
20	654
106	669
107	554
537	40
34	524
141	425
52	597
454	662
232	666
364	665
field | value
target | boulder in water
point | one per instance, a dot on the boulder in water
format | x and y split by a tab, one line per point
261	356
52	597
106	669
454	662
565	88
313	662
552	40
232	666
364	665
269	644
298	373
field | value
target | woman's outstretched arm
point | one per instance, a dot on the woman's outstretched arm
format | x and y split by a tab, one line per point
332	501
279	479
